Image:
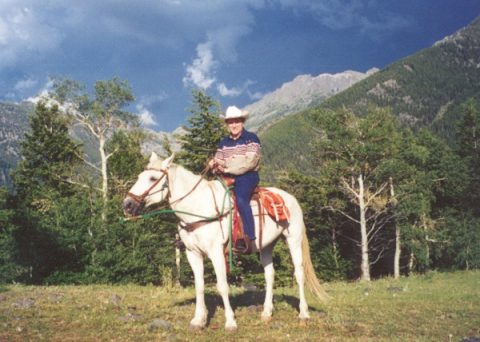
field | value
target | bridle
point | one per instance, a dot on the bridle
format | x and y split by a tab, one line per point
141	198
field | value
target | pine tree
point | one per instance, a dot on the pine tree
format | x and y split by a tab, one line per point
41	182
203	133
468	147
49	157
10	270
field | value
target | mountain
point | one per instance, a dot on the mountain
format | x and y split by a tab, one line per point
423	90
13	125
301	93
155	141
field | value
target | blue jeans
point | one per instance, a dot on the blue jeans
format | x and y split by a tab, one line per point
244	186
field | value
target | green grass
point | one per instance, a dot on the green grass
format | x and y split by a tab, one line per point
434	307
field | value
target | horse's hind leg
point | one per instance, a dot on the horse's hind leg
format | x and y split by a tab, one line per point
266	260
295	245
218	261
196	262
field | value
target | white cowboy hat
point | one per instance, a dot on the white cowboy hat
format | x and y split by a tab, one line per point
233	112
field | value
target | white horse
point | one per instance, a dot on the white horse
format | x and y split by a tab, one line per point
193	197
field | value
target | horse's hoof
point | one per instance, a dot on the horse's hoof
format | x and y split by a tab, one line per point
232	329
303	322
266	319
195	327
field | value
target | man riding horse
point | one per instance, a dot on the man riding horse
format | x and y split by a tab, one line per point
238	157
202	209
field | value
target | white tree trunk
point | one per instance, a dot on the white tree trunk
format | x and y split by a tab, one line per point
365	264
398	245
334	247
103	160
396	258
427	239
411	263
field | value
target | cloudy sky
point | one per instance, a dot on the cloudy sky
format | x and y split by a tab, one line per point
236	50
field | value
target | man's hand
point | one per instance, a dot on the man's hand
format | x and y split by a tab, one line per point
216	165
211	164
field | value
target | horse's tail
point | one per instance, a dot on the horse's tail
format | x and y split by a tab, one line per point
311	280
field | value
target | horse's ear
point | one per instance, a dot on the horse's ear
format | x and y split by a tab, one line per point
166	163
153	157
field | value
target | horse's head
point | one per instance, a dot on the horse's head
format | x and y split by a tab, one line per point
151	186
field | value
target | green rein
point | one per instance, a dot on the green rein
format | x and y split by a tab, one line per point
226	198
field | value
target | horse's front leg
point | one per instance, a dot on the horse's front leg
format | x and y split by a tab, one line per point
267	263
218	261
195	260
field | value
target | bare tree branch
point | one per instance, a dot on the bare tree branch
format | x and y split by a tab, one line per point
379	256
371	197
343	213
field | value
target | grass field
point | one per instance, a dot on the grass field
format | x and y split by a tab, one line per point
432	307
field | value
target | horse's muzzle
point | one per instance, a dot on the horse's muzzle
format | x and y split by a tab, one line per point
131	207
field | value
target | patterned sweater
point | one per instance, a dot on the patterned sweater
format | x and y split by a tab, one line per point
241	155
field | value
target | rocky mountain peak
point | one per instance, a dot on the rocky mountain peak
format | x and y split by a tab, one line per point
298	94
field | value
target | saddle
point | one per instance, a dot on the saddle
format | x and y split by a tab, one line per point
269	203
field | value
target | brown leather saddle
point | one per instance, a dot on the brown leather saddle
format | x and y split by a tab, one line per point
269	203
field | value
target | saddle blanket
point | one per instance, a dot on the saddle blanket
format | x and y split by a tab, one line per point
273	203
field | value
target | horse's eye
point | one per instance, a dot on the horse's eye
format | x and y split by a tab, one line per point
153	179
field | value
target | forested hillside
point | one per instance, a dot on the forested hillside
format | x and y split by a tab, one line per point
424	90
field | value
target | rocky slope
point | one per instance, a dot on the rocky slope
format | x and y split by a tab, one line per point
301	93
13	125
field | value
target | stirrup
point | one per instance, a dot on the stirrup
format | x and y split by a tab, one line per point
243	246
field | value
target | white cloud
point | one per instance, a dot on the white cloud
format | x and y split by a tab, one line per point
146	117
42	94
224	91
369	17
25	84
25	32
201	72
150	100
255	96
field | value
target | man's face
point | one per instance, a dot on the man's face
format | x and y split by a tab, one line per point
235	126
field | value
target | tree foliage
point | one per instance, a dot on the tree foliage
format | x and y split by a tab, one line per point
49	156
413	193
10	270
203	133
42	183
100	114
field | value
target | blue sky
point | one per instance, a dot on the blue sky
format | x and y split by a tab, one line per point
237	50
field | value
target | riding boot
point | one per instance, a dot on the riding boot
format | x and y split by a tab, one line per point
243	246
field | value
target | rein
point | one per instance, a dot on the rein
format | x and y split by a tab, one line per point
192	225
189	226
